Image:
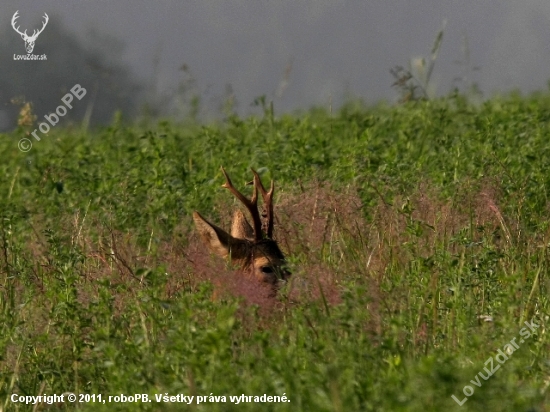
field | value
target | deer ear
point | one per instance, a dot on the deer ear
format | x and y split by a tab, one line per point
218	240
240	228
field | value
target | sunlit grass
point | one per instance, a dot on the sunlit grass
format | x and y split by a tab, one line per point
417	236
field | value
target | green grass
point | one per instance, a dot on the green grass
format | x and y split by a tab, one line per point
403	226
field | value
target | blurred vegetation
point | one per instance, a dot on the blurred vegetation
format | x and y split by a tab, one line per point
94	62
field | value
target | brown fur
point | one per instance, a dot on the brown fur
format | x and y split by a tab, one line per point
254	252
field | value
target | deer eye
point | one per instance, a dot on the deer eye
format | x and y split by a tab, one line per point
266	269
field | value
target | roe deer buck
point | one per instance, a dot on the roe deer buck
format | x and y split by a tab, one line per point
252	247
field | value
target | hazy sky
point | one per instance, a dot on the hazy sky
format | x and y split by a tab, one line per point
336	48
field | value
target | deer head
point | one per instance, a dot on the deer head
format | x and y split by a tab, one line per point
29	40
251	247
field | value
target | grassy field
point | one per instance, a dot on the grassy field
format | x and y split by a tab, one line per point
417	237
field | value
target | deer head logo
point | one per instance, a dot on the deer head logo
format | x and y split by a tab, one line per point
29	40
252	247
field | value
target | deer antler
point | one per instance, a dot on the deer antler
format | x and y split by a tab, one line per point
251	205
35	32
268	203
13	23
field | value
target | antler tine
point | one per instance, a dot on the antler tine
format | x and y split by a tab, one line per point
46	20
36	32
268	202
251	205
15	17
14	22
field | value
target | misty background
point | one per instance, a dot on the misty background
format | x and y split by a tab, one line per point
205	58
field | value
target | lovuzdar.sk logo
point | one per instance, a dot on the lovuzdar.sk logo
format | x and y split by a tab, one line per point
29	40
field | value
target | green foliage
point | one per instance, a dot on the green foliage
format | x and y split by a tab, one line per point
80	313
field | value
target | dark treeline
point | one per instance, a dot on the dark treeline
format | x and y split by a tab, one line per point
94	63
